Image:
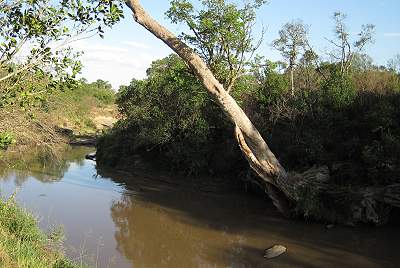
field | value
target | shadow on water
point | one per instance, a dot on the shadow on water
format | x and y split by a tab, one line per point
148	219
233	229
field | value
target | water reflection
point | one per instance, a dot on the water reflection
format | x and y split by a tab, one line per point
178	229
115	219
45	167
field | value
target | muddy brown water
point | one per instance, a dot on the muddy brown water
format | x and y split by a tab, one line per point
128	220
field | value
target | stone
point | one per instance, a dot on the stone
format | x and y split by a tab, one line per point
91	156
274	251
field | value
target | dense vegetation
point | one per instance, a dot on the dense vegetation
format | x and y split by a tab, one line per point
169	113
354	131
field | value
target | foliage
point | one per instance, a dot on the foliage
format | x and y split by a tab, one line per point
221	32
102	84
102	91
166	106
339	89
292	37
292	40
273	84
362	62
394	64
35	44
6	139
376	80
168	113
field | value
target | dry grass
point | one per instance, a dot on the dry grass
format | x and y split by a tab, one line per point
5	260
78	111
38	134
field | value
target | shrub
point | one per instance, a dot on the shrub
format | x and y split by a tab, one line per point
6	139
166	112
339	89
273	85
105	96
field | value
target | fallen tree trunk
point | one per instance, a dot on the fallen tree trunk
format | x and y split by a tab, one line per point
285	189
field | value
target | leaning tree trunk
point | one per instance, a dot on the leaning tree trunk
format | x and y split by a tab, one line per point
284	188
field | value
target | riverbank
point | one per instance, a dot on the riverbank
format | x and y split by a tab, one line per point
63	118
43	132
23	244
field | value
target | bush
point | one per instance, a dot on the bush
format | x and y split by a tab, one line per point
339	89
105	96
165	112
168	106
273	85
6	139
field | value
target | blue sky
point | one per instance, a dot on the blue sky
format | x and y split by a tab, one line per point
127	50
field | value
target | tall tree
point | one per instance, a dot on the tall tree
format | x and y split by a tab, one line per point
345	49
221	33
308	70
362	62
292	40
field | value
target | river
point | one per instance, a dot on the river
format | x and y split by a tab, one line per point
122	220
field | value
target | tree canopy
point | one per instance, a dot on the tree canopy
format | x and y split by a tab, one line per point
221	32
35	38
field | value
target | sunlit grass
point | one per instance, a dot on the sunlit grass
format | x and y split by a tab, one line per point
23	244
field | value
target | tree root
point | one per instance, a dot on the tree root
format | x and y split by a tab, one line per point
311	194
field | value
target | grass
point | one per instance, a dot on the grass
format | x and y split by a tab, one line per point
23	244
75	109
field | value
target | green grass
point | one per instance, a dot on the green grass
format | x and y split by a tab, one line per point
23	244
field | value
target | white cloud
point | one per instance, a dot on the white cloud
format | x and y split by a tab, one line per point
115	64
391	34
136	44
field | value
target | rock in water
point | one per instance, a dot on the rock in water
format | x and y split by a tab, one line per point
274	251
330	226
91	156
